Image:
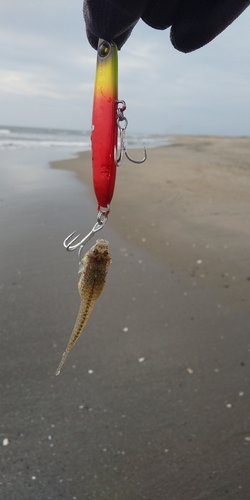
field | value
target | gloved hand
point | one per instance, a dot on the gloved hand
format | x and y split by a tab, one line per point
193	22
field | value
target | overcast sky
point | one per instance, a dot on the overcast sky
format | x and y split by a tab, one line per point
47	74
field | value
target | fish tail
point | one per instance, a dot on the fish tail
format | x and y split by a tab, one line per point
81	320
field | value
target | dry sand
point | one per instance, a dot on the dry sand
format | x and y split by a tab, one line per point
188	205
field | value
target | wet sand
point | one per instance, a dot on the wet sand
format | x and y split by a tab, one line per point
153	402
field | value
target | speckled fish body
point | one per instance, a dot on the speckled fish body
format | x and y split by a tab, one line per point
104	123
91	284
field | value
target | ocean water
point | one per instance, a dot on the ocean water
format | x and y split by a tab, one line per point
27	138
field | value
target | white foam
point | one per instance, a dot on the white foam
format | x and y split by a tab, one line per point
12	138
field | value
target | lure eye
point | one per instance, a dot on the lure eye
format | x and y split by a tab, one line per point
104	49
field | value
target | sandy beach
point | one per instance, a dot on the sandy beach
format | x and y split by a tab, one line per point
153	401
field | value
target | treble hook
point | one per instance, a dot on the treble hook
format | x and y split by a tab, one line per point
69	243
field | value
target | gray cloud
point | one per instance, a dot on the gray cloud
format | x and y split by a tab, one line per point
47	74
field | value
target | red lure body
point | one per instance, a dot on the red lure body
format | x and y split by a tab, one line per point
104	124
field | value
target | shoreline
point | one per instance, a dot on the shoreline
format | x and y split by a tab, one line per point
189	206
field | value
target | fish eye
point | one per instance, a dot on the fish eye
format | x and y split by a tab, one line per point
104	49
95	251
105	253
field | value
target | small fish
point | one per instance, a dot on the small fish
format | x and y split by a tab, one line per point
91	284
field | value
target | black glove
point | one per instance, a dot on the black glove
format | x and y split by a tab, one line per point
193	22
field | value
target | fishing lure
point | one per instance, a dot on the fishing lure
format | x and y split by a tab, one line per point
107	137
91	284
104	124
